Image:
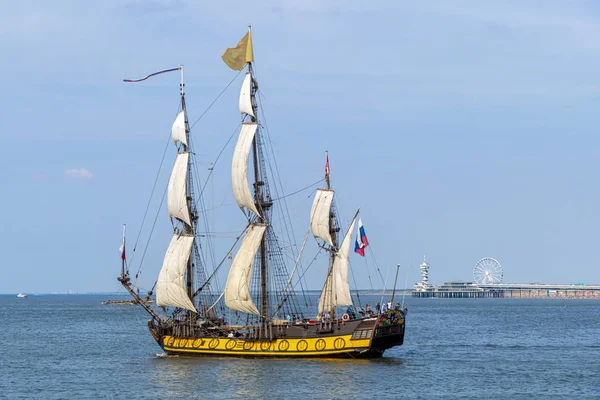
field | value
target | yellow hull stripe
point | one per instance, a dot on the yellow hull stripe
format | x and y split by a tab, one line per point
278	347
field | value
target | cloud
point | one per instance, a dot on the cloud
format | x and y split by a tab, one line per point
79	174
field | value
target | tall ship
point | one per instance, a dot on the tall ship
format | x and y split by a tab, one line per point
266	317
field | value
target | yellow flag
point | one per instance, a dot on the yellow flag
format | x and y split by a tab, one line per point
239	55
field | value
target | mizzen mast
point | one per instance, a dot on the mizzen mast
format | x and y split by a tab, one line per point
333	230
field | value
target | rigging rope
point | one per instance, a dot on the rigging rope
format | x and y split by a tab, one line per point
215	100
152	231
376	265
307	267
150	199
298	191
158	174
284	209
368	272
354	280
285	289
215	163
221	263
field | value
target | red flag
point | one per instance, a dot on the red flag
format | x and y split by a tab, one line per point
326	165
122	248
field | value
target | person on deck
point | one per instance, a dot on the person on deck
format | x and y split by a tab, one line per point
350	312
378	308
384	308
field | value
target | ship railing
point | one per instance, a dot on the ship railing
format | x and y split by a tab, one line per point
387	330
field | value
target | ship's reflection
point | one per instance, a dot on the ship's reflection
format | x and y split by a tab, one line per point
193	377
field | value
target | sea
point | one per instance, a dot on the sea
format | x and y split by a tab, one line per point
73	347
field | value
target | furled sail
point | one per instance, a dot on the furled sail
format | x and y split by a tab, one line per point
171	285
177	203
245	96
237	288
337	287
178	129
239	168
319	215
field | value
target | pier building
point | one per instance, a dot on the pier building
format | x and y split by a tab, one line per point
488	283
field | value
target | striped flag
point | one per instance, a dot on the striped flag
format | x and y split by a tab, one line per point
154	74
361	239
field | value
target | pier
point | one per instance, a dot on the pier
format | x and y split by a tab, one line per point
488	276
463	289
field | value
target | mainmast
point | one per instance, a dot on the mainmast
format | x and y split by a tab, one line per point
257	273
261	205
174	286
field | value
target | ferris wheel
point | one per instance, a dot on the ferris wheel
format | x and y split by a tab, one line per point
487	270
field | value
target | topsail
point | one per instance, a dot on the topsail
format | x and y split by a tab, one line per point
320	215
239	168
178	133
177	202
246	96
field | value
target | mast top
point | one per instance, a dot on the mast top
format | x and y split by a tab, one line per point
182	84
327	170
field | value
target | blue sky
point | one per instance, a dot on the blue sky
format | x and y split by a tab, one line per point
462	129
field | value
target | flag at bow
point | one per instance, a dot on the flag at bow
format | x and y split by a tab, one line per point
236	57
361	239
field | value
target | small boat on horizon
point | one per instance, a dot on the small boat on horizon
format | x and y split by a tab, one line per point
22	296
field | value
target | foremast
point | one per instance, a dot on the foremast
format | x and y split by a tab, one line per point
182	261
188	229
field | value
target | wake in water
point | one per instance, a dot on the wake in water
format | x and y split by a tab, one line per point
165	355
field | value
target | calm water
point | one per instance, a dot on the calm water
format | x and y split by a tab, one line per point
74	347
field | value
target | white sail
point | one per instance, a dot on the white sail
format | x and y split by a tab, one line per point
177	203
239	168
237	288
171	285
326	299
245	97
178	129
319	215
337	287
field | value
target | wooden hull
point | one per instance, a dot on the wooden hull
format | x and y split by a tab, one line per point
355	339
